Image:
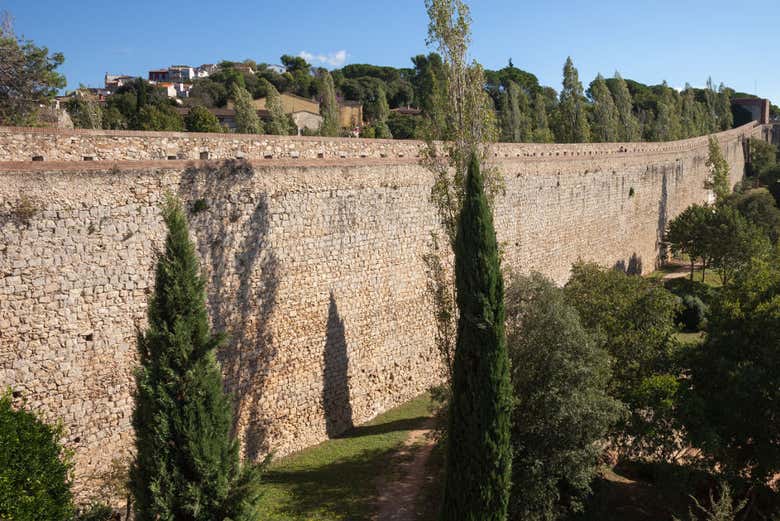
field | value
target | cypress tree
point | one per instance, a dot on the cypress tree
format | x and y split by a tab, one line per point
542	132
630	129
247	120
514	119
187	463
329	108
478	445
279	124
574	127
605	118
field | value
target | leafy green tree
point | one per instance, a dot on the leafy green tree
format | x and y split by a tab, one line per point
208	92
573	124
160	117
732	242
28	77
513	115
200	119
279	124
718	180
724	508
629	125
478	441
759	208
34	469
605	124
187	462
632	316
562	408
329	107
247	120
761	156
690	116
541	132
688	233
733	389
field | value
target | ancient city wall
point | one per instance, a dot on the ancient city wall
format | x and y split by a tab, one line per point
314	264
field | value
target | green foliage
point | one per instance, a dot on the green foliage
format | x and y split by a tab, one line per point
187	463
668	125
759	208
718	180
724	508
541	132
403	126
84	110
605	122
478	440
208	92
34	469
573	125
629	129
688	233
562	409
693	315
513	115
329	107
734	387
28	77
279	123
160	117
761	156
247	120
733	242
200	119
632	317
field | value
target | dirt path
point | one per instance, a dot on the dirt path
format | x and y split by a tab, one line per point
397	499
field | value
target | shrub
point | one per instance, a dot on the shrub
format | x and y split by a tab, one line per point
34	469
96	512
693	315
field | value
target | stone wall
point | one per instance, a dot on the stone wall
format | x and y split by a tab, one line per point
314	266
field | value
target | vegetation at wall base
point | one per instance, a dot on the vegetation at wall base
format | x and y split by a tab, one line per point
478	438
35	471
187	462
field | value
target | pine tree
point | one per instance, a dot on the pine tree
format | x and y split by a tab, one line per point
630	129
718	180
279	125
605	118
478	444
187	462
574	126
514	119
247	120
542	132
329	108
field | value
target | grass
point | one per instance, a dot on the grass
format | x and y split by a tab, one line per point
337	479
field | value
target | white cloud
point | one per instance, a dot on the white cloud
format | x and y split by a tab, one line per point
334	59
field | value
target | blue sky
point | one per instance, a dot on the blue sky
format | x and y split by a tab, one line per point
646	40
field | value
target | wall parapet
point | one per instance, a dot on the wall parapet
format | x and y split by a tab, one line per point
27	144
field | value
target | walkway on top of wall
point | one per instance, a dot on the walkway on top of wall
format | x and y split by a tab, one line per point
27	148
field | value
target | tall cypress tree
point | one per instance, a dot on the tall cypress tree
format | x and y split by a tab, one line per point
542	132
187	463
574	127
478	444
329	108
630	129
605	118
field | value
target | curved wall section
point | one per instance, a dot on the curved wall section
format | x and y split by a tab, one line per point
314	264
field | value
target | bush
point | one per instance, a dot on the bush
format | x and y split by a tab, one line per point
96	512
34	469
693	315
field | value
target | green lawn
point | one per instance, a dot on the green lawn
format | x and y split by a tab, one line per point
337	479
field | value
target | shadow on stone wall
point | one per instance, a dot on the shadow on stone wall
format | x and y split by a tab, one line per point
335	375
242	284
663	218
633	267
